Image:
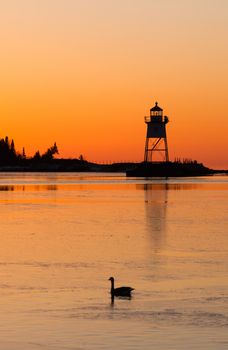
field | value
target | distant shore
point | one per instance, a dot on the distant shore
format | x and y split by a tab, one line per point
130	168
66	165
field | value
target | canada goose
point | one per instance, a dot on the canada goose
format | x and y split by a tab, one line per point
121	291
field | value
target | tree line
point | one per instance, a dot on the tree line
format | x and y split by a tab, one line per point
10	156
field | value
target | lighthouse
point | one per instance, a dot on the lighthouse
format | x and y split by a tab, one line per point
156	147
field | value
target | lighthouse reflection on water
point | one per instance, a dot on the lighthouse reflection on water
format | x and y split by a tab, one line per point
156	205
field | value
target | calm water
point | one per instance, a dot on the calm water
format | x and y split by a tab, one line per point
64	235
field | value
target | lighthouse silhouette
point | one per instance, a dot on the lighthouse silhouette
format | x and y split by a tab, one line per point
156	147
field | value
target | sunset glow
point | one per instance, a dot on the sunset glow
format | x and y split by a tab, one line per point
84	73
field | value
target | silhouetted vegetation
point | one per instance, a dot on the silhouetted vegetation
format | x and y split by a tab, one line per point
9	155
82	158
185	161
47	156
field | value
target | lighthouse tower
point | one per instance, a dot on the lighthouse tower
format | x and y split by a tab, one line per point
156	148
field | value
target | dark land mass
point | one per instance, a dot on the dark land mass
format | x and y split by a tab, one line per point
172	169
64	165
13	161
168	169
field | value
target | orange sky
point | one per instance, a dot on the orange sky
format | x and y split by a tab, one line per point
84	73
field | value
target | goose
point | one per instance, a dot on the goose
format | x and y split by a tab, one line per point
121	291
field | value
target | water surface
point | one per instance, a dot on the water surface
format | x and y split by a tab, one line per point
64	235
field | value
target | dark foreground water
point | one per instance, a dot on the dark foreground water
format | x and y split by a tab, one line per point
63	236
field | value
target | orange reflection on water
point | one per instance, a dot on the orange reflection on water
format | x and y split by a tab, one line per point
114	186
60	242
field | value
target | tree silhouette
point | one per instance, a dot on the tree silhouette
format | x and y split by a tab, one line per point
81	158
9	155
23	153
37	156
49	154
